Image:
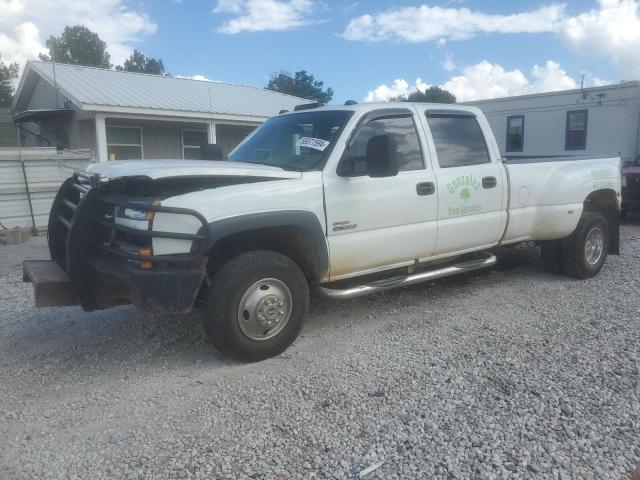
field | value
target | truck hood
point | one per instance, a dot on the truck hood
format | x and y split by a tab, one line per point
156	169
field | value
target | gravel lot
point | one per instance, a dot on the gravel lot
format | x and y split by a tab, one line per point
509	373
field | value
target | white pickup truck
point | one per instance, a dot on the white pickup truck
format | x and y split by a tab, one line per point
344	200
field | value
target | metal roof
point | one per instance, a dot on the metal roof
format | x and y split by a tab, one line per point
611	86
91	87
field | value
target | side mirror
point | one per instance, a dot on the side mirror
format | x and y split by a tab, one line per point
382	160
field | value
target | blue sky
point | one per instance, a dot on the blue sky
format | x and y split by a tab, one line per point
368	49
352	68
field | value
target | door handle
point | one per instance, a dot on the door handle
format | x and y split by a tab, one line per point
489	182
425	188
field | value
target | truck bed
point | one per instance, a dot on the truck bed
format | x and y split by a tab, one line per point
544	191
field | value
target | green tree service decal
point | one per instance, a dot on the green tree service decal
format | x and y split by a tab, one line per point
462	188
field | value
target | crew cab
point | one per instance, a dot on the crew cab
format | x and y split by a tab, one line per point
344	200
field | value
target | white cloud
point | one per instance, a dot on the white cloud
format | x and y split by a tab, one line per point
611	32
399	87
260	15
20	43
199	77
448	64
26	24
425	23
487	80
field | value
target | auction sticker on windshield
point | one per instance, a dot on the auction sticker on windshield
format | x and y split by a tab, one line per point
315	143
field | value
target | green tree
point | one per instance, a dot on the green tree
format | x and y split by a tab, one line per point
139	62
8	73
465	194
78	46
301	85
430	95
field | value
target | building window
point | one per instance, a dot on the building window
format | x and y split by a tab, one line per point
515	133
192	140
458	139
576	133
124	143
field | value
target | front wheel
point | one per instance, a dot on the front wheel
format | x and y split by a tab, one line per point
255	306
584	252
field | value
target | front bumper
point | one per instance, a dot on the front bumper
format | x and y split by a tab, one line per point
157	291
86	245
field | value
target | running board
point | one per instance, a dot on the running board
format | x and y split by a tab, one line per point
488	260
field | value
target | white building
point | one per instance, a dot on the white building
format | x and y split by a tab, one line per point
124	115
597	121
92	114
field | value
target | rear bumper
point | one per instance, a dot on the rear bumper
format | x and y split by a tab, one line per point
90	268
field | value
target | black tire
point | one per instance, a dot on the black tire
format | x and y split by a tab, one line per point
574	255
237	278
551	252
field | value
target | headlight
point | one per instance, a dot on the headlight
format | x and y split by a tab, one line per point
624	181
134	214
141	215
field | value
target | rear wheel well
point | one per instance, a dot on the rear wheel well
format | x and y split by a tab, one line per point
294	242
606	203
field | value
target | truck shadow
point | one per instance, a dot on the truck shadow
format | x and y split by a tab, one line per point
520	261
123	340
633	219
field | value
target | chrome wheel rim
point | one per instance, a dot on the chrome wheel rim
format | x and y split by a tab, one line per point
265	309
594	246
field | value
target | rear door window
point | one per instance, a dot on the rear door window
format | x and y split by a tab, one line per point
458	139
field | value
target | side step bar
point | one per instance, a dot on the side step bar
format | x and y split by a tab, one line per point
487	260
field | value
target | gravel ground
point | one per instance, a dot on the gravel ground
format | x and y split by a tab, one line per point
509	373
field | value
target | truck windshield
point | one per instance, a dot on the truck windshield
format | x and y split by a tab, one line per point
299	141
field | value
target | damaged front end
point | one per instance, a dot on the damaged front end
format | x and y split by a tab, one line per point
109	247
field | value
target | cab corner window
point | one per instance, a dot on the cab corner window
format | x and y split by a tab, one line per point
458	139
408	151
